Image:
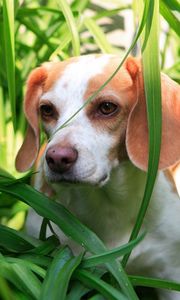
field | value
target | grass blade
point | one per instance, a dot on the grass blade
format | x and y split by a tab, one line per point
110	12
92	281
46	247
59	274
40	260
5	291
35	268
2	131
27	279
173	4
98	35
77	291
21	277
151	73
155	283
111	254
173	21
71	25
8	24
16	241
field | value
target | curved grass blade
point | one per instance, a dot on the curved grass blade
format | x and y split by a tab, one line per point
21	277
40	260
93	281
33	26
65	38
3	146
79	5
77	291
5	291
8	24
32	266
172	4
173	21
72	25
110	254
27	12
28	281
155	283
110	12
152	82
59	274
16	241
46	247
98	35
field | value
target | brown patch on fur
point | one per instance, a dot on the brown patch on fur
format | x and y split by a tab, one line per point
121	84
137	130
55	71
29	149
121	90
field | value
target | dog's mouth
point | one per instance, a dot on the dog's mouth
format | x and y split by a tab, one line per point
75	179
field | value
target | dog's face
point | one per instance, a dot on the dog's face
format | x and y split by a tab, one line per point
89	146
111	128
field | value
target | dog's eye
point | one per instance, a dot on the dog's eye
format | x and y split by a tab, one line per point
46	110
107	108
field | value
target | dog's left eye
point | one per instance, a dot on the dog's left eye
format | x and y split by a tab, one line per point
46	110
107	108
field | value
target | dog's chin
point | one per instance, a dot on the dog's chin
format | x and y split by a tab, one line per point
75	179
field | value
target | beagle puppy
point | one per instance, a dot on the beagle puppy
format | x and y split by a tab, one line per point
96	164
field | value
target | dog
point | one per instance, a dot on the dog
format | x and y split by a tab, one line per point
96	164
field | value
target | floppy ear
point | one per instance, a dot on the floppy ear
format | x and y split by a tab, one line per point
30	147
137	128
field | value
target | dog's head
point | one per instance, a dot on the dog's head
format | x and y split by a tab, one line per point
111	128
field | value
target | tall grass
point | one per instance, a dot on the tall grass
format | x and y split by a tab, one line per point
33	33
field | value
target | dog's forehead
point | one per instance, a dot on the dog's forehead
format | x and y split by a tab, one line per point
72	77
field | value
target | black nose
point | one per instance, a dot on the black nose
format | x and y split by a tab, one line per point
61	159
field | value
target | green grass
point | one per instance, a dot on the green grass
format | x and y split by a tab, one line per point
31	34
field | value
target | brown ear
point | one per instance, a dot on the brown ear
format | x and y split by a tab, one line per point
30	147
137	129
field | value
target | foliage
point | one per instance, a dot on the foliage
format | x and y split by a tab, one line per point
33	32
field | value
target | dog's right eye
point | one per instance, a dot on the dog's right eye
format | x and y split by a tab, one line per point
46	110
